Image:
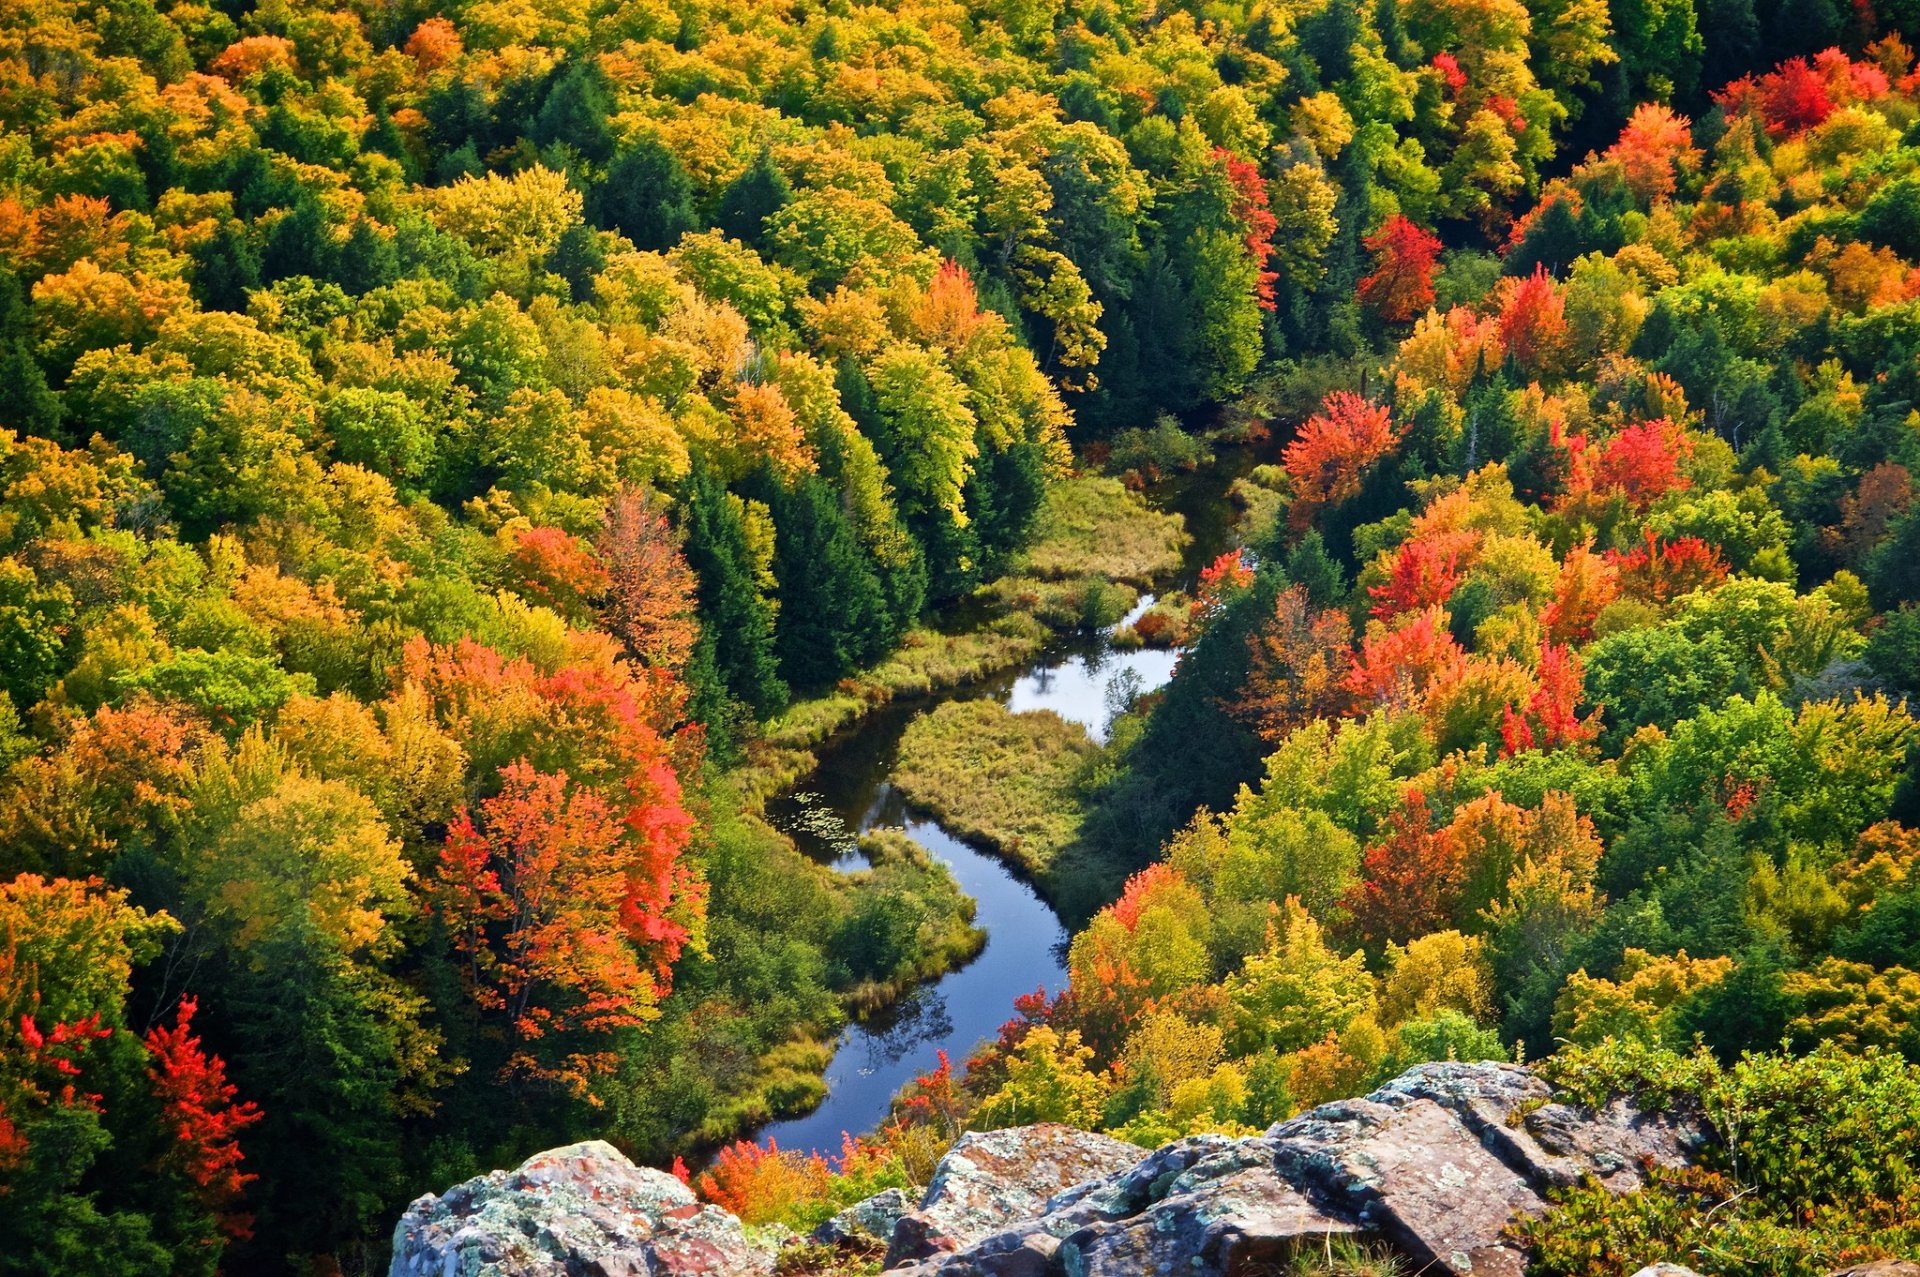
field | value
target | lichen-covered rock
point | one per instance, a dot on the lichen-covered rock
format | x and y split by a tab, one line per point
579	1211
866	1221
992	1179
1436	1163
1882	1268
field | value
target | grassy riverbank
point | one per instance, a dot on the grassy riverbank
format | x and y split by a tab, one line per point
1010	783
1092	526
1098	542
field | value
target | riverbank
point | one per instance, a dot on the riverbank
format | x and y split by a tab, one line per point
1010	783
822	779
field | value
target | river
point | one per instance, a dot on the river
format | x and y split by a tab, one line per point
851	792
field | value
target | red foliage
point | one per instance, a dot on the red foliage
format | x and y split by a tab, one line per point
1551	718
1642	462
199	1108
934	1100
1411	881
1425	571
1661	571
1799	94
1401	286
1394	666
558	908
557	569
1533	319
1450	73
1251	210
1333	450
1221	582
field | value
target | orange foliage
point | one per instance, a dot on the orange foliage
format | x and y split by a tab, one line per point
1587	583
251	55
433	44
555	568
762	1185
550	906
1334	449
1396	665
1662	571
1298	659
948	316
1653	142
650	607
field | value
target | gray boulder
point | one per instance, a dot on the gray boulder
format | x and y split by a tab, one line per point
992	1178
579	1211
866	1222
1437	1164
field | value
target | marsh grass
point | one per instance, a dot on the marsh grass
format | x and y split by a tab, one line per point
1097	526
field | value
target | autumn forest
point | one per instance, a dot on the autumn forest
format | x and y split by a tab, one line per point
466	465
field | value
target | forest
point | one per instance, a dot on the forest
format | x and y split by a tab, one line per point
460	458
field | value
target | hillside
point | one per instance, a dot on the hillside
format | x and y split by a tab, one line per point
460	461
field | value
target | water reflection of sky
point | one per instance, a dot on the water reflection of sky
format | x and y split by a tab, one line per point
850	792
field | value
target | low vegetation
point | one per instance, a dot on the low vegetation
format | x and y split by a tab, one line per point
1097	526
1006	780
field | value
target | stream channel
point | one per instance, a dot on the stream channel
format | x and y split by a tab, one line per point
851	792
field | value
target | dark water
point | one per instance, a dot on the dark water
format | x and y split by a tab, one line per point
850	793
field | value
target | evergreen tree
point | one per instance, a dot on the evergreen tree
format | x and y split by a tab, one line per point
733	613
832	613
575	111
225	267
647	196
750	199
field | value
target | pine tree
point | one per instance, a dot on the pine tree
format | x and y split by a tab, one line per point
647	196
734	615
757	194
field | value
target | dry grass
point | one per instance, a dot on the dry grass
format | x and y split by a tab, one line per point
1004	780
1094	526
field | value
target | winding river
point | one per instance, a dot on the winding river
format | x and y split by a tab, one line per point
851	792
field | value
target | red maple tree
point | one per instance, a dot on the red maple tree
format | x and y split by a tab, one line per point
1401	286
1334	449
198	1103
1251	209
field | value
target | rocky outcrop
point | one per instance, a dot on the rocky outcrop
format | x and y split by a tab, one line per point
1436	1164
579	1211
991	1177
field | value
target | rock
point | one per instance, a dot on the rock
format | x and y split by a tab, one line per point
1882	1268
1666	1270
1436	1163
868	1221
579	1211
993	1178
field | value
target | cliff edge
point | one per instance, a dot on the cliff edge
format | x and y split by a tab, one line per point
1434	1164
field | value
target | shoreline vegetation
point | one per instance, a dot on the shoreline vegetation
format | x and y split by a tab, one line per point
1125	545
1010	784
